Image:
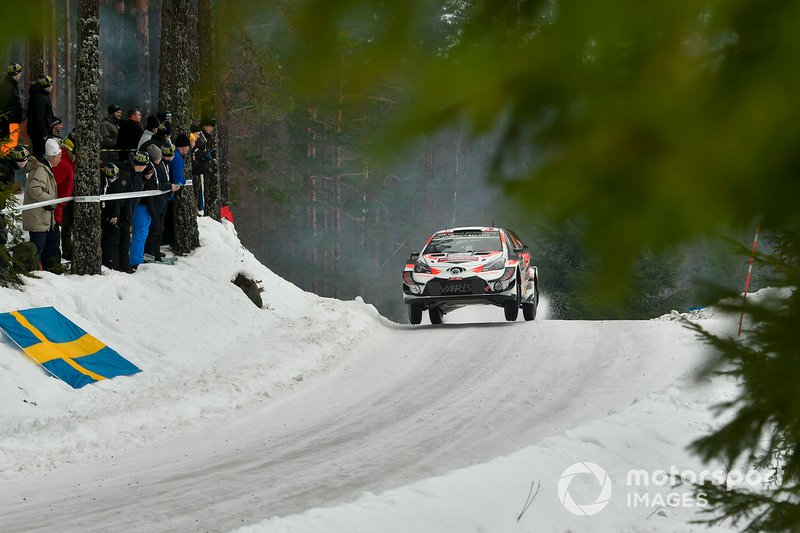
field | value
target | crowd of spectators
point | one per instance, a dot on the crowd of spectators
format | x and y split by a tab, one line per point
134	159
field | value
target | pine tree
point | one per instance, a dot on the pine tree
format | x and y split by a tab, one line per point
86	255
177	68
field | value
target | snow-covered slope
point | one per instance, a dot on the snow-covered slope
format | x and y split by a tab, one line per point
242	414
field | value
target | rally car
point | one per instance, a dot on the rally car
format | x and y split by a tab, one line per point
471	265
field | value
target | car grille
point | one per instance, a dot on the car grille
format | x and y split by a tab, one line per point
438	287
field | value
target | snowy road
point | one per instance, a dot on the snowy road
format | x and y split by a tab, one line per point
410	403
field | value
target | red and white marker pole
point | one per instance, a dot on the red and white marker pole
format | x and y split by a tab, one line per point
747	282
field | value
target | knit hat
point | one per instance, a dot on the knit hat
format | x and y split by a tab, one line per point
109	169
182	140
165	116
167	149
113	108
140	158
19	153
209	121
14	69
55	122
154	152
152	123
69	143
45	80
52	148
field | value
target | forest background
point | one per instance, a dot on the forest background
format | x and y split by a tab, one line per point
326	199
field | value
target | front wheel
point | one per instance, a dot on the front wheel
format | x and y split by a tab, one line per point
511	309
435	314
529	308
415	313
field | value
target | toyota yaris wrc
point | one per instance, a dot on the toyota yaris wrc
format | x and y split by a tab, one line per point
474	265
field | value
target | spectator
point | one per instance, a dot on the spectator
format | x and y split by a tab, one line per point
40	222
64	175
152	246
128	136
203	154
110	215
143	214
56	128
176	167
165	119
16	159
150	129
109	129
10	109
40	114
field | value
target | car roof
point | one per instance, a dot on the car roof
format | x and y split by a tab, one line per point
466	228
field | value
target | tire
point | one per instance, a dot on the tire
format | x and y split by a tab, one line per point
511	309
435	314
529	308
415	313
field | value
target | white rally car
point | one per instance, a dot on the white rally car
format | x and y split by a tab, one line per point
471	265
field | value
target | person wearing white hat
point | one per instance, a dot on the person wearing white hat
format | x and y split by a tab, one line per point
40	222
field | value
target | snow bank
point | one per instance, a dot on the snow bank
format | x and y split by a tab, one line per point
205	350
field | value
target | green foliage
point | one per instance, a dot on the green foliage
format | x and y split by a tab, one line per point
765	428
653	123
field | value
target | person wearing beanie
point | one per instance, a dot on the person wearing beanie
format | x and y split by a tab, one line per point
176	167
56	127
40	222
109	130
10	109
64	175
40	114
150	129
203	157
152	246
13	161
110	214
165	118
131	179
128	136
143	216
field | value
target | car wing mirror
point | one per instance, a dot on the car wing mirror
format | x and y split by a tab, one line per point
414	256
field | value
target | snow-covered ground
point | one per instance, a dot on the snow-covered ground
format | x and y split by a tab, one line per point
314	414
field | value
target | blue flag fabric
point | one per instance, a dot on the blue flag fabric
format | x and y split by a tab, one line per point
62	348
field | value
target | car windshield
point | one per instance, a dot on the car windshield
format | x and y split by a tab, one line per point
465	243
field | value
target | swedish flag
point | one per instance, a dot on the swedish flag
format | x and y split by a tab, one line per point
62	348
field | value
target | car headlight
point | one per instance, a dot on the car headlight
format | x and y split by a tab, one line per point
497	264
421	268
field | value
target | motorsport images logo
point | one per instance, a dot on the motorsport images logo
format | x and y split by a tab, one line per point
587	509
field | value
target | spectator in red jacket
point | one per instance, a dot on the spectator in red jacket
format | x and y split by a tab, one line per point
64	175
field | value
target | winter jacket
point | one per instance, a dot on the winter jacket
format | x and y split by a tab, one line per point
112	208
109	128
163	184
10	104
150	184
64	175
176	167
39	186
203	154
40	112
131	181
128	138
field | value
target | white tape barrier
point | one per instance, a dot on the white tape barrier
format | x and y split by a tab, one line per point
87	199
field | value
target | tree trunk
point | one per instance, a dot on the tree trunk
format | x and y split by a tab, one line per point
207	99
177	71
223	94
52	48
143	31
68	61
86	254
